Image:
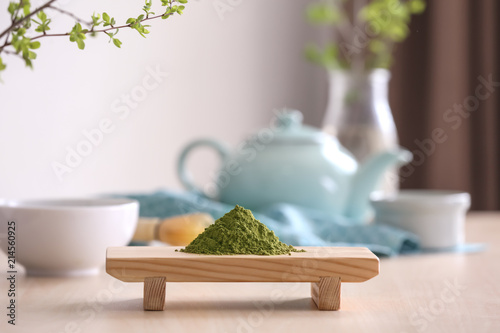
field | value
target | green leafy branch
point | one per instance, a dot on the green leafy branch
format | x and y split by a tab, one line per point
28	24
364	39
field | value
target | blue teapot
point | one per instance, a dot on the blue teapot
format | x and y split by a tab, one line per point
292	163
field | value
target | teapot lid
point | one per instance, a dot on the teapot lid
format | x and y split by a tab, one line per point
288	129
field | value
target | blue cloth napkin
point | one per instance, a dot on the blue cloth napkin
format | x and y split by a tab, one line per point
293	225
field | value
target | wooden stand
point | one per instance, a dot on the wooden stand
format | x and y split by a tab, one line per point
326	293
323	267
154	293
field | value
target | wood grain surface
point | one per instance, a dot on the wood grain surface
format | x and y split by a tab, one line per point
154	293
326	293
133	264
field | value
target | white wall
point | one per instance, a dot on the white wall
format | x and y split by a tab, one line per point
224	78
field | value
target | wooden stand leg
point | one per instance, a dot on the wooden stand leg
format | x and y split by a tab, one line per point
154	293
326	293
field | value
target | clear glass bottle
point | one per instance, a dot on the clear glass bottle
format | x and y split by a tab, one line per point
359	115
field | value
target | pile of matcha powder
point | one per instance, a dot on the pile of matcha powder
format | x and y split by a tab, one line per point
238	232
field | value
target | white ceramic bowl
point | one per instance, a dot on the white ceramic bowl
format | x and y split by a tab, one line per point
67	237
437	217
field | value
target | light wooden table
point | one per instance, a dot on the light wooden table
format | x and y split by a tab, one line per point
427	293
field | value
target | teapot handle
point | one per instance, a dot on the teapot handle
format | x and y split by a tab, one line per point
184	175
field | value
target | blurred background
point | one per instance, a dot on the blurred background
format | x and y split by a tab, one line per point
219	71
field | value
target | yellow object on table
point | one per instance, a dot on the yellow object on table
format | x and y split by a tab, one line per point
177	231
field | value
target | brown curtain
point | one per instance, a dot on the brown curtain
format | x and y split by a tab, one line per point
445	109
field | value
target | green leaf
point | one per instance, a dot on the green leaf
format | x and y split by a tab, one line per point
81	44
43	25
95	20
108	21
324	13
42	28
26	8
34	45
377	46
398	31
382	60
327	58
182	1
117	42
28	63
130	20
42	16
77	35
2	65
416	6
12	7
147	7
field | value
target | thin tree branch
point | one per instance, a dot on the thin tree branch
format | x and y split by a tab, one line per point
27	17
13	20
13	53
100	30
13	16
48	4
62	11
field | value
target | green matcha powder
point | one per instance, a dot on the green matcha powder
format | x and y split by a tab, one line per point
238	232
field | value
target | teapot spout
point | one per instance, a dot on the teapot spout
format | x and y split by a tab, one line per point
366	178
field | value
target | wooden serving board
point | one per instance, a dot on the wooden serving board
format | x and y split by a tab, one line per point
324	267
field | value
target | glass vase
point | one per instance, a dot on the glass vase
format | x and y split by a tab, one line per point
359	115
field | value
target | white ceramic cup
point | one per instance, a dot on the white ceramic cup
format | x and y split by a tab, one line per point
66	237
436	217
